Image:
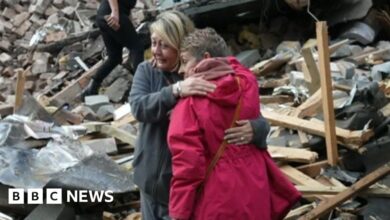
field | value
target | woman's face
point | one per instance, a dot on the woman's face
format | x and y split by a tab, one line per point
188	63
166	57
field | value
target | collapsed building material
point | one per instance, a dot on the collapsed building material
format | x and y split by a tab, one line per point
324	207
294	214
331	190
360	32
103	145
248	58
98	173
289	154
326	92
111	131
300	178
352	139
70	93
311	69
58	45
19	90
313	169
280	99
310	107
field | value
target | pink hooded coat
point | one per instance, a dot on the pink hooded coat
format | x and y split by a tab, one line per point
245	183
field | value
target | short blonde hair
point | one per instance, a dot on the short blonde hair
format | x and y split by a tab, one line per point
172	27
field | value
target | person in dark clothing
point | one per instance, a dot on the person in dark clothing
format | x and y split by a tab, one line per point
157	87
117	32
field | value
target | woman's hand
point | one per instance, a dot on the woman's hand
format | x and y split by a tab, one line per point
113	20
196	86
242	134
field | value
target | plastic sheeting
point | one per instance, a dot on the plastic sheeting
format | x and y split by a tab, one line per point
64	162
98	173
32	168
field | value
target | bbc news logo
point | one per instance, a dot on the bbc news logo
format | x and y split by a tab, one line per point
58	196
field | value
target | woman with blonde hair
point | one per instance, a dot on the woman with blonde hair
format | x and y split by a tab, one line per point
157	87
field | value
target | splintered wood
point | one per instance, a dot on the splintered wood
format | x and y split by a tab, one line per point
325	206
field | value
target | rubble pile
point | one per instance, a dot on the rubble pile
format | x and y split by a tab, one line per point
52	42
51	138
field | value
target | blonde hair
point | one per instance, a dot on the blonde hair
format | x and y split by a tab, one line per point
172	27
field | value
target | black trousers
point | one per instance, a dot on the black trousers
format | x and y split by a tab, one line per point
115	41
152	209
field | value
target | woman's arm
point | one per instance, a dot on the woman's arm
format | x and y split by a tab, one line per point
249	131
188	159
148	106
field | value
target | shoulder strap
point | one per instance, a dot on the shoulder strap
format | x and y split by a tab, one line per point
223	145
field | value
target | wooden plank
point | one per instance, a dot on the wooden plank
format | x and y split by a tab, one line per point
333	190
299	178
19	90
280	99
299	61
377	192
119	134
69	93
273	82
313	169
337	45
308	108
344	88
128	119
290	154
326	91
361	59
324	207
351	139
294	214
310	67
111	131
324	190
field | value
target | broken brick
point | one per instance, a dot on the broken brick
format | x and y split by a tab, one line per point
20	18
8	13
39	6
5	58
21	31
5	45
51	10
40	64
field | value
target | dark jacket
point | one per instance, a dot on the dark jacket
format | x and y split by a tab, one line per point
151	100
